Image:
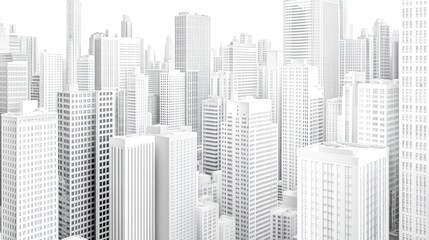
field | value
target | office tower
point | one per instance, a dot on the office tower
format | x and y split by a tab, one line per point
29	46
413	135
221	84
226	228
51	80
137	112
149	58
153	108
344	188
378	124
86	124
13	83
264	46
132	184
249	172
129	59
240	58
95	36
349	110
208	217
311	32
210	185
4	39
353	58
302	117
192	53
333	119
14	40
126	27
268	88
73	41
29	173
172	99
191	101
168	50
35	87
176	183
85	77
381	37
283	221
344	21
154	93
394	55
213	116
217	64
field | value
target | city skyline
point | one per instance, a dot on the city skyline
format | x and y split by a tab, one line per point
223	14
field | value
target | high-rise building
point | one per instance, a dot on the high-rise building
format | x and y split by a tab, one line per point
176	183
192	53
4	39
137	112
85	76
302	117
264	46
353	58
413	134
29	46
381	38
249	166
29	173
86	124
226	228
172	99
132	184
269	87
35	87
311	32
51	80
168	50
208	219
213	116
344	188
191	101
73	42
210	185
14	40
344	20
154	93
240	58
333	122
126	27
221	84
283	223
13	82
378	124
94	36
394	55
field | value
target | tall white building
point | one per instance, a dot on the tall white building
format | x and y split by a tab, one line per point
226	228
85	76
192	113
302	117
353	58
168	50
73	42
283	223
126	27
333	119
413	134
132	184
51	80
13	82
172	99
264	46
29	173
29	46
176	183
343	192
240	58
86	124
192	53
221	84
378	124
208	220
249	166
213	116
137	112
381	38
394	55
210	185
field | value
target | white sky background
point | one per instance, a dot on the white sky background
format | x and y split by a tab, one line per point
154	19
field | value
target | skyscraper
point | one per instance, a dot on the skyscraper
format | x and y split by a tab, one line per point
173	99
264	46
413	134
137	112
51	79
132	184
126	27
85	76
208	219
29	173
344	188
381	38
192	53
283	223
353	58
176	183
226	228
73	41
302	117
249	166
29	46
168	50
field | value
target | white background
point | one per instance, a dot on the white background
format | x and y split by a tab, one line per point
154	19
